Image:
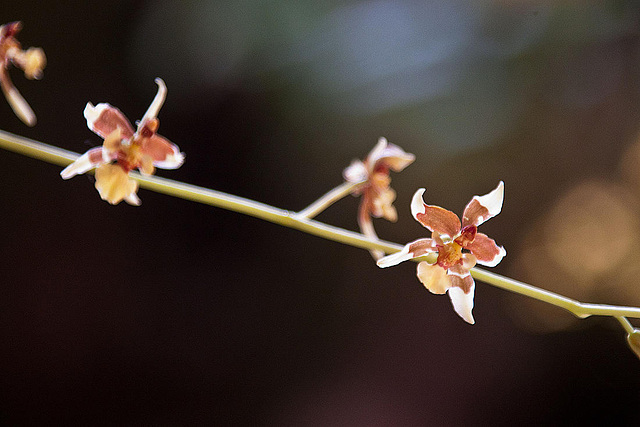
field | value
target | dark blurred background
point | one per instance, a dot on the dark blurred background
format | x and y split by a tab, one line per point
175	313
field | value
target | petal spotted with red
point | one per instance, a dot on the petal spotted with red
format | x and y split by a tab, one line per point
165	154
483	208
388	155
486	250
104	119
84	163
464	282
434	218
411	250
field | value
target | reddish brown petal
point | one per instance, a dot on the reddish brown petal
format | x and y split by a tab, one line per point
440	220
87	161
467	235
411	250
10	30
165	154
389	156
422	247
482	208
465	283
486	250
434	218
104	119
366	227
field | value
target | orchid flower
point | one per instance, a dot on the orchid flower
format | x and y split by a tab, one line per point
451	270
31	61
377	195
143	150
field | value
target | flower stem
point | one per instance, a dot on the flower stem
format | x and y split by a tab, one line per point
626	324
579	309
303	223
36	150
328	199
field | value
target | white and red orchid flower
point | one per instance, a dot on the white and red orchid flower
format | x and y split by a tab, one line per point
142	149
31	61
377	195
450	272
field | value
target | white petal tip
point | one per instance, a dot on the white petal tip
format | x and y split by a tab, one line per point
160	83
417	203
493	200
496	260
80	166
462	303
156	104
395	259
355	172
20	107
66	173
133	199
172	161
92	113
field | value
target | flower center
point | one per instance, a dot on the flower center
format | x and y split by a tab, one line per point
449	254
467	235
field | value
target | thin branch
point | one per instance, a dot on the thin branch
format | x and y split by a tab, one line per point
328	199
626	324
290	219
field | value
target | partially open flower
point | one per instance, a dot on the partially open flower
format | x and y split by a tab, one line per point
450	271
377	195
31	61
143	149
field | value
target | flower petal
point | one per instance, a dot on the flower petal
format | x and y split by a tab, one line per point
463	302
366	227
467	262
112	144
482	208
133	199
463	280
156	104
114	184
434	218
104	119
382	205
486	250
433	277
411	250
389	155
165	154
84	163
17	102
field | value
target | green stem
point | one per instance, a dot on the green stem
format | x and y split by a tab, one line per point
300	222
328	199
626	324
580	309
